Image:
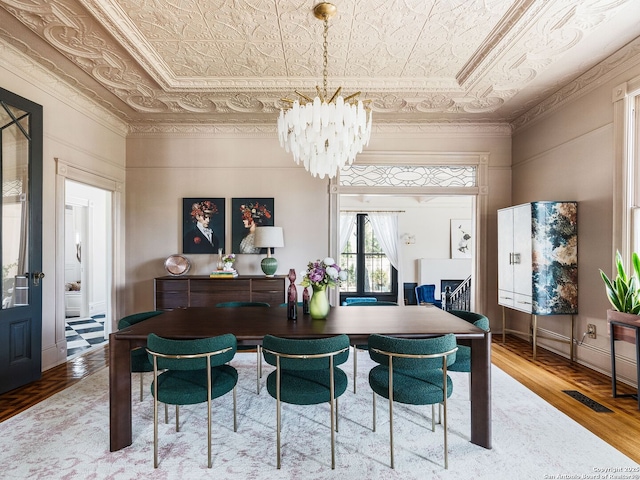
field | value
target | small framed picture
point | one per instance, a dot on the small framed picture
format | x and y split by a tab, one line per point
202	225
461	238
246	215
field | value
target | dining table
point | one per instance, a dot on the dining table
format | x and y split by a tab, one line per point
251	324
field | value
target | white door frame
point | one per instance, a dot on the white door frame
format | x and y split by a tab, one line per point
68	171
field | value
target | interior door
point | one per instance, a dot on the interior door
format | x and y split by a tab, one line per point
20	241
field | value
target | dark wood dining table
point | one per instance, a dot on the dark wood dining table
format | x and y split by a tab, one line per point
251	324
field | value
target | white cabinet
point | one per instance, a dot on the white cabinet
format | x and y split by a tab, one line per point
538	258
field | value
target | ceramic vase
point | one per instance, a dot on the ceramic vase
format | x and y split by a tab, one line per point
319	303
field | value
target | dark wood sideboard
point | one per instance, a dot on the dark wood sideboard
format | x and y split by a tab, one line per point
203	291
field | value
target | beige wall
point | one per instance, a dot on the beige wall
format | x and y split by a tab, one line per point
569	155
164	168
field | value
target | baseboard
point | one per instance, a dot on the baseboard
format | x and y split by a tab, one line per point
54	355
591	356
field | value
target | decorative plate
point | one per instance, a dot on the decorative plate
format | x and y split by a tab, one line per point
177	264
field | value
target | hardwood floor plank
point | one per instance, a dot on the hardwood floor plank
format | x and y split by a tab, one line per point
53	381
551	374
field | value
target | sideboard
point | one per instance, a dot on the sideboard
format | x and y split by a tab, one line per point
202	291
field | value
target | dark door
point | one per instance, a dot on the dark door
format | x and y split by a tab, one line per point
20	241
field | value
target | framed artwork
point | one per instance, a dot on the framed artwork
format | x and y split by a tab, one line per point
202	225
246	215
461	239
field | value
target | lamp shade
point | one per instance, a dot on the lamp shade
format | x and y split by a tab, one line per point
269	237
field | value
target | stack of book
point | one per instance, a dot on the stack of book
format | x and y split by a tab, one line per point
223	274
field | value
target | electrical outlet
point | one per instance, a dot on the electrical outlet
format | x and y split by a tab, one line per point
591	330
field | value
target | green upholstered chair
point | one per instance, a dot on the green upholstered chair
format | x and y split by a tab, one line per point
242	304
139	360
306	374
463	355
412	372
195	371
363	346
249	347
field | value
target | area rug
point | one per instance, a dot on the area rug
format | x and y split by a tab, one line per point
67	437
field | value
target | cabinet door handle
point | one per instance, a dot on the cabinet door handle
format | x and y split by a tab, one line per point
510	258
516	258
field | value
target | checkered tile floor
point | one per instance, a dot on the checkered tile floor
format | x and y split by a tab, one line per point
84	333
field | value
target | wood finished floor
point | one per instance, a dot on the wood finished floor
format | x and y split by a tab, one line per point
548	376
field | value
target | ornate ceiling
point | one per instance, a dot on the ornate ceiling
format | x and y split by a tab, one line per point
231	61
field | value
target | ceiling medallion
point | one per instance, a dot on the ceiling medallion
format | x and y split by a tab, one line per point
325	133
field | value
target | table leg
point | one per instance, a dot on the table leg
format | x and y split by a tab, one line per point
481	391
613	360
119	393
638	366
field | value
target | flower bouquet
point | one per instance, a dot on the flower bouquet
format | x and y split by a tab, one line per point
229	258
227	261
319	275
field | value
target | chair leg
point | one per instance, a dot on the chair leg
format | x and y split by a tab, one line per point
258	369
337	416
355	368
333	433
374	411
235	417
209	463
177	418
433	417
391	428
166	413
278	431
141	386
155	431
446	448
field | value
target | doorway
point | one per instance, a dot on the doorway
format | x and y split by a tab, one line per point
87	267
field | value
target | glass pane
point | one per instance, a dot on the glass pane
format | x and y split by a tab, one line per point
378	267
15	161
348	262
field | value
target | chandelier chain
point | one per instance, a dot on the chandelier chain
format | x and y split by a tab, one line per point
325	56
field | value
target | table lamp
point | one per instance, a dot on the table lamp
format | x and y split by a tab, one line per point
269	237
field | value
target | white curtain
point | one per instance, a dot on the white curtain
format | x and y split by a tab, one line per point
385	228
347	222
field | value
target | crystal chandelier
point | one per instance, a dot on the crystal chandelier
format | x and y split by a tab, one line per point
325	133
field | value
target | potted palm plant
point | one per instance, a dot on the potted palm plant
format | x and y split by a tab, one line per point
623	293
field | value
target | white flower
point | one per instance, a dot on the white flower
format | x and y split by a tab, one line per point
329	261
342	275
332	272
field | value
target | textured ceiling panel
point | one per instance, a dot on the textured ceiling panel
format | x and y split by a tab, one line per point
231	61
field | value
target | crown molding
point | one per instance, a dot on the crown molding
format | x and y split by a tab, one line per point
269	130
624	59
19	62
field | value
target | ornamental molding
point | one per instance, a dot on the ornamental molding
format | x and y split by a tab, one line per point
17	58
140	130
613	66
177	62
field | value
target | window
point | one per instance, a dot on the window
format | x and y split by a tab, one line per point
369	271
